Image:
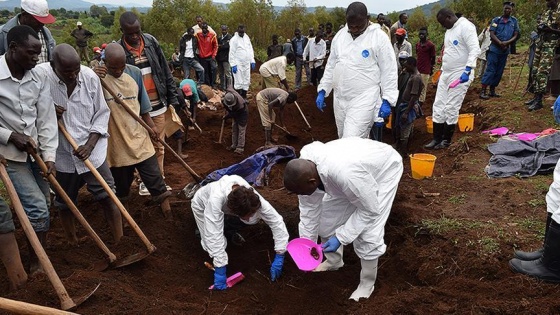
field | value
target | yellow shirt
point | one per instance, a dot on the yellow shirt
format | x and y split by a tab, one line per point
129	142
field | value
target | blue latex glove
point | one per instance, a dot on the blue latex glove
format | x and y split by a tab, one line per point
253	65
234	69
465	76
379	123
385	109
220	278
321	100
331	245
276	268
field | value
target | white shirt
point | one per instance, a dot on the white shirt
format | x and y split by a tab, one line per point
485	41
86	112
189	52
198	29
26	107
241	50
315	51
461	46
275	67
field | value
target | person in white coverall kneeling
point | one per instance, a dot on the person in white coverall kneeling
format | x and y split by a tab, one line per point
346	189
232	195
461	50
544	263
362	71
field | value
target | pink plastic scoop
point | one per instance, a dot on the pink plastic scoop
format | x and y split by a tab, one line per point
306	254
454	83
232	280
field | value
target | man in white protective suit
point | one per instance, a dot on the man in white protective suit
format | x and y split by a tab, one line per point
544	263
461	50
362	71
242	60
346	189
231	199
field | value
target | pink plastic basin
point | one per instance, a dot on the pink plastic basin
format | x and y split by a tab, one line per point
300	250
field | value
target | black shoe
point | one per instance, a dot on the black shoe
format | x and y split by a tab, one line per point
535	106
547	267
432	144
484	96
528	256
530	102
493	93
442	145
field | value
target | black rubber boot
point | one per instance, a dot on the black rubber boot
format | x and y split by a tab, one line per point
34	265
493	92
546	268
438	136
528	256
484	94
531	101
376	133
448	131
537	104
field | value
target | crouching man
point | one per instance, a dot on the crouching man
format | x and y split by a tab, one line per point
346	189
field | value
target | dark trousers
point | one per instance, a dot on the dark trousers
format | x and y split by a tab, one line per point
149	173
210	68
316	75
495	65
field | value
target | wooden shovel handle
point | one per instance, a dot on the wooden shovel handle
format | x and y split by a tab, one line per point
302	115
222	131
151	248
65	301
74	209
19	307
117	99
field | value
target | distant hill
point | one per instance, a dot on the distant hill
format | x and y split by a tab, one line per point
427	8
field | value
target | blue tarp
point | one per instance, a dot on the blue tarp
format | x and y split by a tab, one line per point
255	168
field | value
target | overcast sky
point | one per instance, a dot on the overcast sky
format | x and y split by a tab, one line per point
373	6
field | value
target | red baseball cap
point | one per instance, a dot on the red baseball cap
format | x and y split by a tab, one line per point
187	90
401	31
39	9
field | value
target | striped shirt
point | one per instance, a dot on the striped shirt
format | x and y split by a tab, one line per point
44	55
142	62
86	113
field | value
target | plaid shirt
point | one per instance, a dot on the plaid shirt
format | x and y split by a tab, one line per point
43	56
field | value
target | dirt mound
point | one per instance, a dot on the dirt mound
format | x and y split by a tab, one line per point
446	254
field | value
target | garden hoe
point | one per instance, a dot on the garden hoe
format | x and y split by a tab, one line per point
66	302
191	188
18	307
150	248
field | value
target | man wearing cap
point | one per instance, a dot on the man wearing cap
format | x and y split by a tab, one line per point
81	35
236	107
242	60
34	13
267	99
96	61
401	44
549	32
143	51
189	89
503	32
276	68
222	58
458	62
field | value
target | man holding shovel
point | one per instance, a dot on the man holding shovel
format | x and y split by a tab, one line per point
220	208
129	146
77	93
314	53
267	99
346	189
237	109
27	124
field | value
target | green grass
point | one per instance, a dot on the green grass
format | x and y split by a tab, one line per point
537	202
489	245
457	199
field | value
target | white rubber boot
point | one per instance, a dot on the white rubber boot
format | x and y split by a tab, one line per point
367	280
333	260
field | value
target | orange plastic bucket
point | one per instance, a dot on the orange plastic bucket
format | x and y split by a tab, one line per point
422	165
466	122
429	124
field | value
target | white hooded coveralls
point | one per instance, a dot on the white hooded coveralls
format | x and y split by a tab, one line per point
362	72
460	50
241	55
360	177
209	206
553	196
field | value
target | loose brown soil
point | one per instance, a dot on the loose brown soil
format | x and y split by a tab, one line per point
446	254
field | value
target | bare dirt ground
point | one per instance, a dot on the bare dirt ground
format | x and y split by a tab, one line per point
446	254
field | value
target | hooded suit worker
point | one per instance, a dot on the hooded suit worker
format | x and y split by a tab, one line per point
362	71
346	189
232	195
459	60
242	60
